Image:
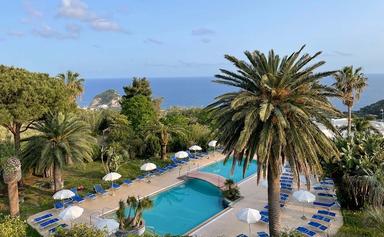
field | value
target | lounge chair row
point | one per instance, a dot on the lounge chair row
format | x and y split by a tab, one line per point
319	223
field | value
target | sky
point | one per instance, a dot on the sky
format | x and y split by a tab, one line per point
172	38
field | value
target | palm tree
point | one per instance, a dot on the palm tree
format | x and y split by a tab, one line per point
350	83
74	83
164	131
59	137
11	175
271	116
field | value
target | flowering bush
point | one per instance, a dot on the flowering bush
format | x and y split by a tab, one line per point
12	226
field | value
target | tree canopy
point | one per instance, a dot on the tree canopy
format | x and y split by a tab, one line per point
26	97
139	86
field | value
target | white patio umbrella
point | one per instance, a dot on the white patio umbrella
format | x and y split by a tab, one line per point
213	144
71	213
249	216
63	194
195	148
112	177
109	225
305	197
148	167
181	155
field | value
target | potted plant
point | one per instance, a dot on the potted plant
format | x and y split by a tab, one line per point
133	222
231	192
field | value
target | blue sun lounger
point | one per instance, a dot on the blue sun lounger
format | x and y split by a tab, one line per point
264	219
90	196
242	235
326	183
321	218
286	178
42	218
317	226
58	205
321	188
47	223
324	204
54	229
264	213
326	213
305	231
284	195
77	198
115	186
262	234
99	189
127	182
326	195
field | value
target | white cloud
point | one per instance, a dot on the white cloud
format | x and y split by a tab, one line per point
205	40
103	24
72	32
74	9
31	11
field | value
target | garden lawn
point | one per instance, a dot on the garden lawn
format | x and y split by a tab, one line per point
38	197
356	226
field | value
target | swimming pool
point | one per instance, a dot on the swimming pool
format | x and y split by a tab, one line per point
183	207
225	170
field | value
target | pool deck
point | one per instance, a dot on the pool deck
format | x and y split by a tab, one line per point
255	196
109	203
224	224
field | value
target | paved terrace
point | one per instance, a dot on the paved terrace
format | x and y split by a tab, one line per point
255	196
108	203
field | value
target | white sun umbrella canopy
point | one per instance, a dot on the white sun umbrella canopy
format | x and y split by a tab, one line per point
249	216
148	167
109	225
63	194
181	155
195	148
212	143
71	213
305	197
112	176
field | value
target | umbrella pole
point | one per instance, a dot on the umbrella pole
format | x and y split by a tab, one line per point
250	232
303	217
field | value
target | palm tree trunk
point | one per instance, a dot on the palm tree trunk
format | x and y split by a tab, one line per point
349	120
57	182
13	196
274	200
163	151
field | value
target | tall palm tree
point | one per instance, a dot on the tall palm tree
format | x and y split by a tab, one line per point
164	131
11	170
271	116
74	82
59	137
350	83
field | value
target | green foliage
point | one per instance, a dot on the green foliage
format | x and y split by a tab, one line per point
6	150
26	97
12	226
74	83
356	224
232	191
139	86
372	109
139	111
80	230
271	113
359	174
63	139
135	214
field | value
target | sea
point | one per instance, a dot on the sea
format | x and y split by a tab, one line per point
201	91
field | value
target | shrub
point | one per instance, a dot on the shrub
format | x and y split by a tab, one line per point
80	230
12	226
232	191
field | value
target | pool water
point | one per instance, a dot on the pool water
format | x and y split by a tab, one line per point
225	170
180	209
183	207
